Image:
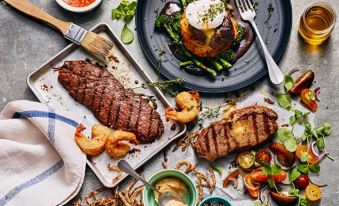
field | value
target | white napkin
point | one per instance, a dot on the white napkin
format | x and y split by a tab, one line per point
40	163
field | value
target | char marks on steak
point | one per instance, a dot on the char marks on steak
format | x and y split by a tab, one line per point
110	102
243	129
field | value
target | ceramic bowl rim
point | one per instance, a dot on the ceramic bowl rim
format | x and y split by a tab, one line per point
84	9
194	201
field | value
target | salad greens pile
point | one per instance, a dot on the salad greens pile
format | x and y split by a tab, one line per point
125	11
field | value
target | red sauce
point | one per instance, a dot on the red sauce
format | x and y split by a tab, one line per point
79	3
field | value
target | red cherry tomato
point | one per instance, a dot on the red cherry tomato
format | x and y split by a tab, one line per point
301	182
259	176
251	187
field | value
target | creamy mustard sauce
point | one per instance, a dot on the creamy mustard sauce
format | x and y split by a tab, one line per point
172	185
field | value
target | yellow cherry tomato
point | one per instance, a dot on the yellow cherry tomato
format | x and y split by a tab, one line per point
313	193
246	160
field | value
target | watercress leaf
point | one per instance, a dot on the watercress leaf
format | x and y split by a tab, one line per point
271	183
315	168
303	168
218	169
258	203
288	83
302	201
284	101
304	157
294	192
127	35
267	170
284	134
293	120
294	174
320	143
117	14
291	144
275	170
327	129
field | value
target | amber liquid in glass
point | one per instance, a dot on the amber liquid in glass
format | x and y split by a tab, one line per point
317	22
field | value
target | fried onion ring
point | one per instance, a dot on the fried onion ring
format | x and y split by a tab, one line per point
115	146
189	166
96	145
189	104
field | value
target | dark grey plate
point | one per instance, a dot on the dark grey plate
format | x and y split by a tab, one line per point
251	67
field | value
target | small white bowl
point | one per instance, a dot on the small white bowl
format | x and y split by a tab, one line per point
84	9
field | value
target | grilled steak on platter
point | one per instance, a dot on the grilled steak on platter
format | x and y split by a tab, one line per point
109	101
244	128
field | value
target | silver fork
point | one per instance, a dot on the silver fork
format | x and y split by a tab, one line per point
247	13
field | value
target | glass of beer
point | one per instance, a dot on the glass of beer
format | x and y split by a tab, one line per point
317	23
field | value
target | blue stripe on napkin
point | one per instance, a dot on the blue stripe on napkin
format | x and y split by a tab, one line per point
13	192
51	125
52	115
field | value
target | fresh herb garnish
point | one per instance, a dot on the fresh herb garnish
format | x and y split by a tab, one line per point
125	11
298	117
127	35
270	171
293	174
288	83
218	169
284	101
287	137
302	201
167	87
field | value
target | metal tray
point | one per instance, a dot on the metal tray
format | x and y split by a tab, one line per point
44	84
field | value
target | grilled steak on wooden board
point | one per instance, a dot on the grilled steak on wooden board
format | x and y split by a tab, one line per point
110	102
243	129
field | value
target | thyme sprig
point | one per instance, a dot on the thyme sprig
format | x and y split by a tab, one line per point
167	87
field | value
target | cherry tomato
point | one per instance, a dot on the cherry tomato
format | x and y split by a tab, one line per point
251	187
280	177
259	176
303	82
263	157
301	182
313	192
308	99
246	160
303	148
285	157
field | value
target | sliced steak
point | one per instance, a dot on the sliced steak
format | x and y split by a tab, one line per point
243	129
110	102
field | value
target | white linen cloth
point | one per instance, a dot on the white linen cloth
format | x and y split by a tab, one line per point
40	163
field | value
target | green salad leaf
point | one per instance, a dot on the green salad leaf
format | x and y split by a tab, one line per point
294	174
291	144
218	169
288	83
284	101
298	117
284	134
315	168
125	10
304	157
303	168
127	35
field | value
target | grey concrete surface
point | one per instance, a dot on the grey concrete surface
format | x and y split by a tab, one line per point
26	44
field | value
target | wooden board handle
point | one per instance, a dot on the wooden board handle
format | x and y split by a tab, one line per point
33	11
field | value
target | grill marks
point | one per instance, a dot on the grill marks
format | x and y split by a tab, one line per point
246	128
110	102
